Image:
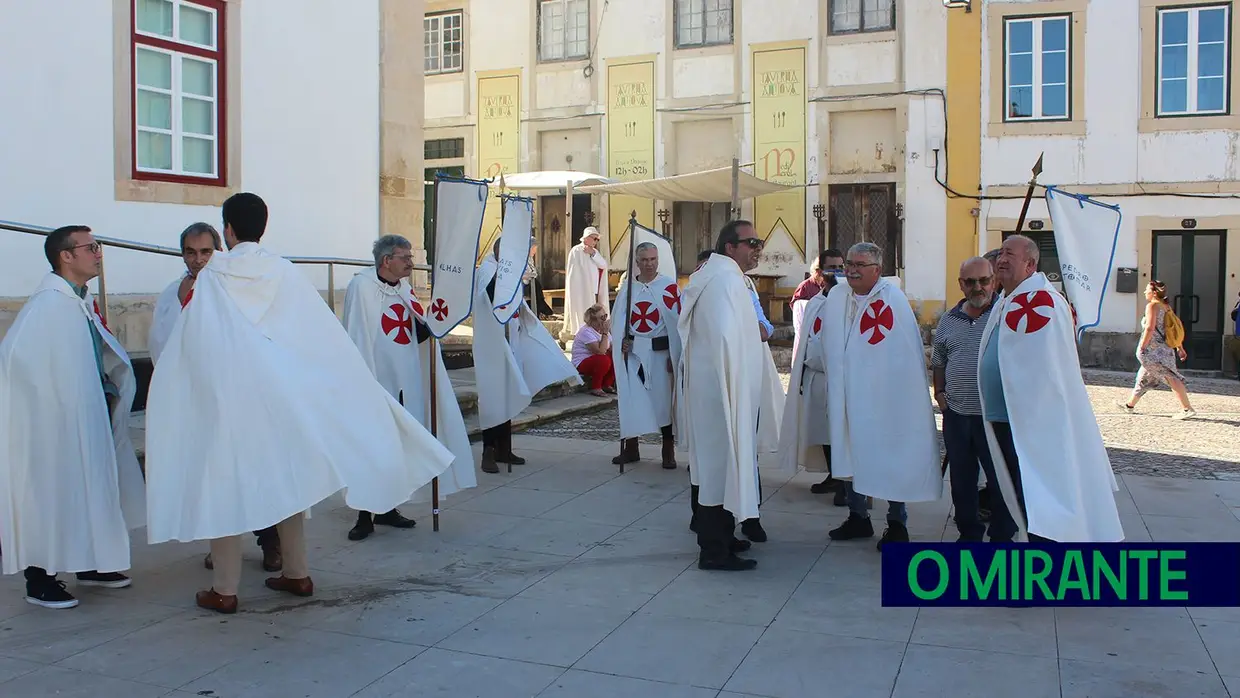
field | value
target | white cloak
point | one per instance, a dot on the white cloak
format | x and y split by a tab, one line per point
510	371
1065	472
646	405
585	284
380	319
721	385
70	483
806	426
262	407
883	435
167	310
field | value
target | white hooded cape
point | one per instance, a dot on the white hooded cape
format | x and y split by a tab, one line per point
1064	469
510	371
806	426
585	284
70	484
721	386
646	405
167	310
883	435
262	407
380	319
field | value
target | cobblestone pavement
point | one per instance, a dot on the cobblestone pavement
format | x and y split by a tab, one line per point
1148	442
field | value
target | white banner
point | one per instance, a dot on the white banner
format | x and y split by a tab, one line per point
1086	234
667	258
459	205
514	255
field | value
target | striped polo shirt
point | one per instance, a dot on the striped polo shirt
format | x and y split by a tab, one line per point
957	341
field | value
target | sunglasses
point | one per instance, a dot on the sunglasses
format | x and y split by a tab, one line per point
983	281
752	242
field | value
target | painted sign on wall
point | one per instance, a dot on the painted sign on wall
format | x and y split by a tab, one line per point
499	141
779	111
630	145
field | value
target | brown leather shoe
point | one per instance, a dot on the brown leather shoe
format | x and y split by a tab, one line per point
296	587
273	561
628	452
213	601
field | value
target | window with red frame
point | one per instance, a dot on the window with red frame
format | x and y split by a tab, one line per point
178	90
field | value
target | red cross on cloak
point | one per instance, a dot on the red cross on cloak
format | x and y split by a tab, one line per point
397	324
1027	308
878	316
645	316
671	298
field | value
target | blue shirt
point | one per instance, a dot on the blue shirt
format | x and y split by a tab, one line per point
991	383
97	340
757	308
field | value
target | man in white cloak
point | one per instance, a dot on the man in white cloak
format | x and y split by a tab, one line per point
385	321
261	408
512	362
883	436
719	397
646	358
1050	462
70	479
585	281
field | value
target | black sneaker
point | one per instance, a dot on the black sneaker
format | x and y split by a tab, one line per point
394	519
731	563
827	486
853	527
107	580
49	593
364	527
895	533
840	499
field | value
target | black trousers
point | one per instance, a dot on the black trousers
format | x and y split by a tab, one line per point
716	529
496	435
1003	434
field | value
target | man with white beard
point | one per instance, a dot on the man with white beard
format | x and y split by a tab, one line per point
645	362
720	393
585	281
385	321
1050	462
261	408
883	436
512	362
70	482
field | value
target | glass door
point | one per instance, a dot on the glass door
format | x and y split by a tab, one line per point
1191	264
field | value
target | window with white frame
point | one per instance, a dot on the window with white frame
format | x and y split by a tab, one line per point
563	29
1037	68
855	16
1193	53
703	23
178	91
444	44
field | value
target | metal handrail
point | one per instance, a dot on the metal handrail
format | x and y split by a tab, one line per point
331	262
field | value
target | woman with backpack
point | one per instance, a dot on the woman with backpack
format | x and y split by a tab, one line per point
1162	338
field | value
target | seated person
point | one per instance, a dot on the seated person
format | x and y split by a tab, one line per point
592	351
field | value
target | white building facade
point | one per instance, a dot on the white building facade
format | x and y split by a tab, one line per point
1135	102
843	98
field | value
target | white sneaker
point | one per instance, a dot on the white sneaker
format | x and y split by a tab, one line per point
1186	414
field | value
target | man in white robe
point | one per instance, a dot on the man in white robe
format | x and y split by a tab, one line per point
261	408
646	358
719	396
883	436
585	282
70	484
1050	462
385	321
512	362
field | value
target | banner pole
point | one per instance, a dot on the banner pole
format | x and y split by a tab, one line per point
1033	182
628	297
434	428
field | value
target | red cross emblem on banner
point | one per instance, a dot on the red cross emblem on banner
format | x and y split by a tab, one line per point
645	317
417	307
878	316
817	325
439	308
397	324
671	298
1027	305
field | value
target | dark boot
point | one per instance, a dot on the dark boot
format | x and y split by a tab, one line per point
693	504
363	528
827	486
628	452
269	541
669	448
488	460
853	527
752	529
505	454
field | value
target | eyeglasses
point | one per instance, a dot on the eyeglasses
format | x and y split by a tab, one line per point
93	247
984	281
752	242
859	265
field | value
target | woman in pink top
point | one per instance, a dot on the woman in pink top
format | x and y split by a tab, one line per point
592	352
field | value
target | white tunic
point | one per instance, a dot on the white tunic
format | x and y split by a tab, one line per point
262	407
70	484
644	382
1065	472
167	310
585	284
806	426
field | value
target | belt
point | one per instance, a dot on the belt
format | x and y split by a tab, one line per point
660	344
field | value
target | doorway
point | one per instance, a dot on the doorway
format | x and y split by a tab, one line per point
865	213
1191	264
554	239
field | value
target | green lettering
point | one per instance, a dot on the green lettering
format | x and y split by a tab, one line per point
944	576
1014	593
1102	568
1143	558
1037	577
1166	575
1072	576
970	576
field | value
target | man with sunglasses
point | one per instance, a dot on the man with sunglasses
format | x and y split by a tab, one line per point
71	482
954	363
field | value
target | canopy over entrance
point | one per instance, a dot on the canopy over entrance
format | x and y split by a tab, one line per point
706	186
548	182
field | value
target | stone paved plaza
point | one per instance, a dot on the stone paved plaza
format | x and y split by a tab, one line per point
568	580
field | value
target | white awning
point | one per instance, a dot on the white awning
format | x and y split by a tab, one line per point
707	186
554	180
